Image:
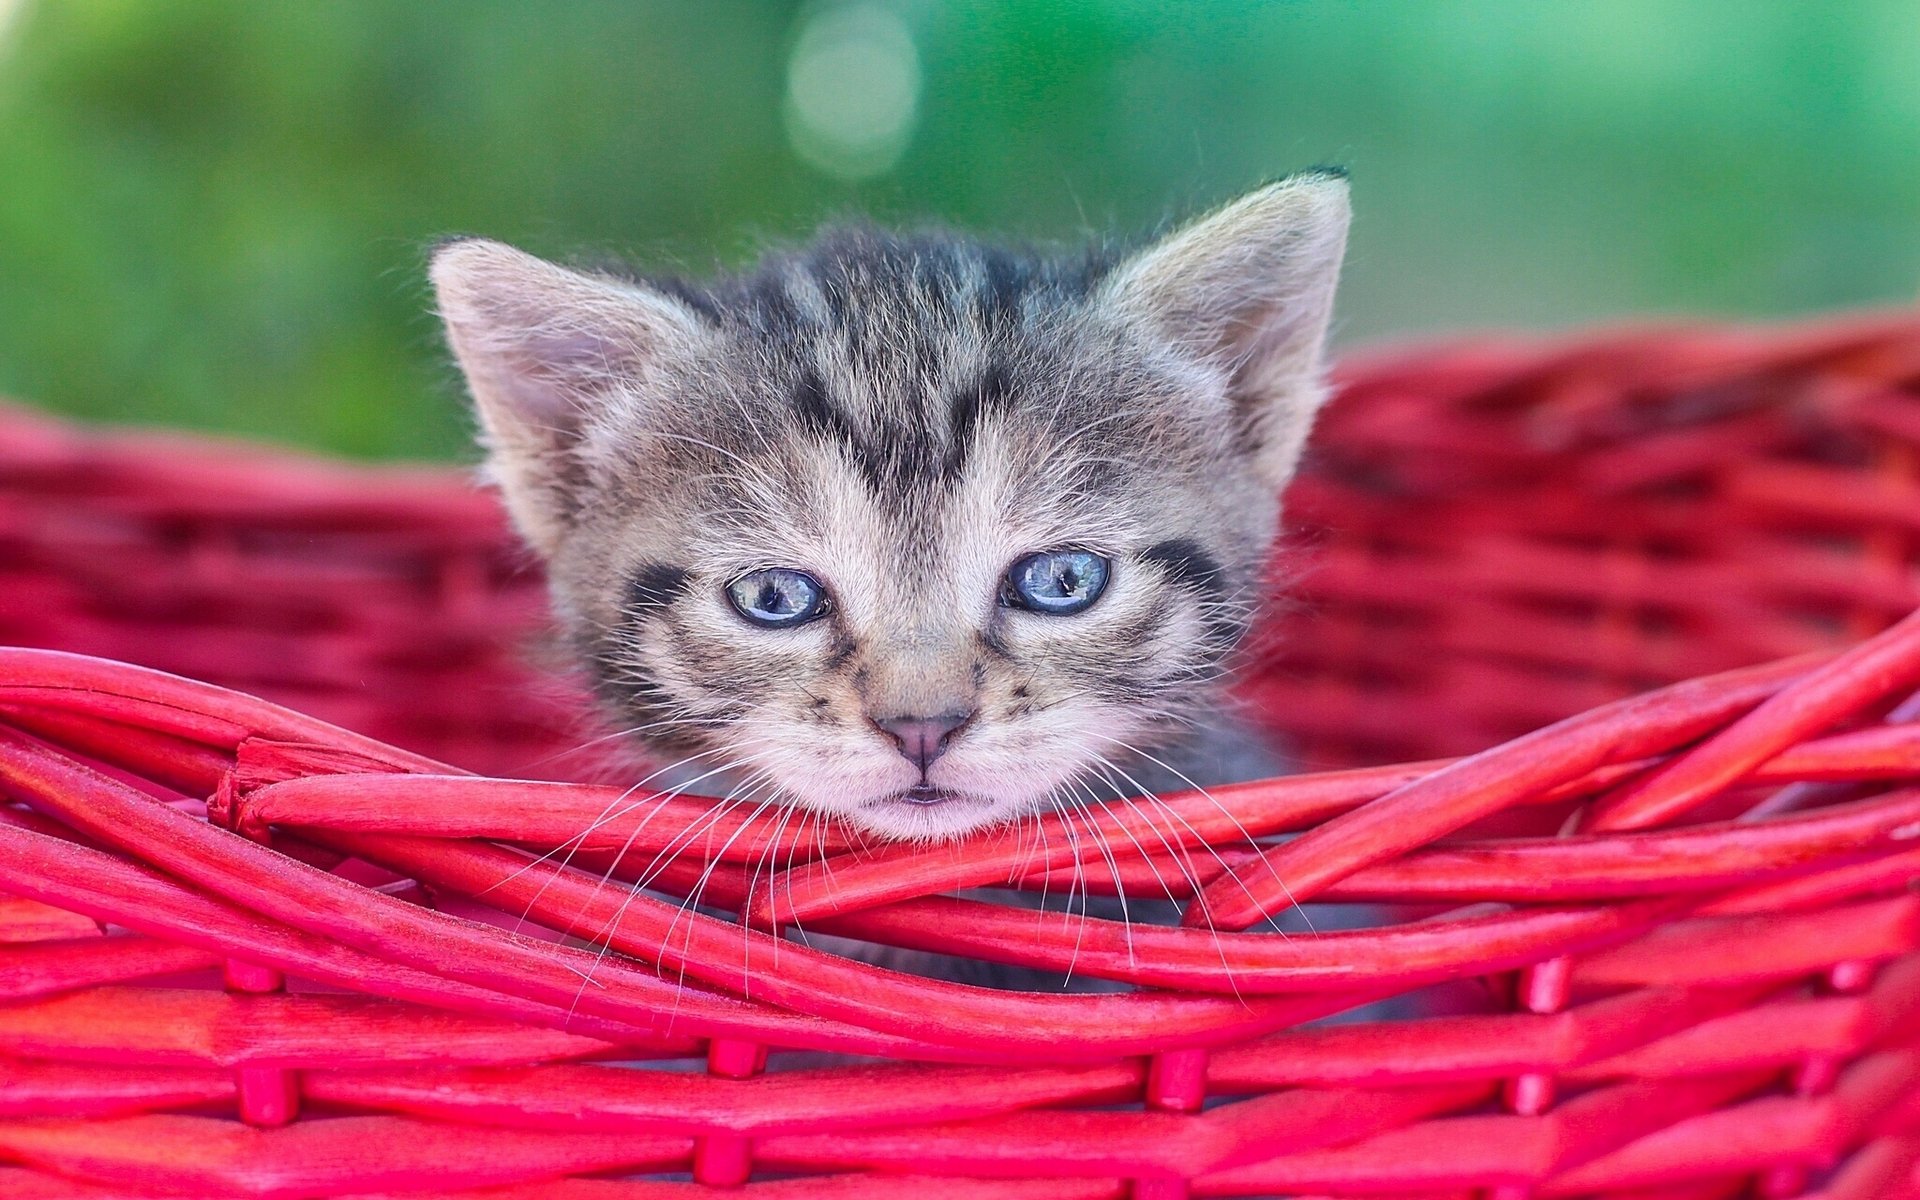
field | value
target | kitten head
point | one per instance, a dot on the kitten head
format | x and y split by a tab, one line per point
912	530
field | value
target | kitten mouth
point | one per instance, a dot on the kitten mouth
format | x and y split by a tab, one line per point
923	813
927	794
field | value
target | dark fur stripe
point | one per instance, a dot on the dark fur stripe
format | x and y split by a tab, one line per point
1188	565
985	395
816	409
826	420
652	587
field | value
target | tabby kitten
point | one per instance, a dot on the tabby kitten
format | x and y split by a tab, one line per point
915	531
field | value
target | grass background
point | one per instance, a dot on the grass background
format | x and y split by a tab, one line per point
214	214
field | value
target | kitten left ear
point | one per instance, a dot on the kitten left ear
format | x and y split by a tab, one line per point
1249	290
544	349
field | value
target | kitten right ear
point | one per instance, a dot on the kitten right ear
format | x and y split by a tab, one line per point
544	349
1249	289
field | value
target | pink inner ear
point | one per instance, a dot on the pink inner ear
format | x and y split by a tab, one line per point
1250	285
584	356
545	338
543	407
547	381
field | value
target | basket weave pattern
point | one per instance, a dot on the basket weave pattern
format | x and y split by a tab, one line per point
1659	924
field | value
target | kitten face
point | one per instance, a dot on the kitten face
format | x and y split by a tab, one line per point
892	426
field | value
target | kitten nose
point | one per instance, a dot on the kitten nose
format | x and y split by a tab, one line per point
922	739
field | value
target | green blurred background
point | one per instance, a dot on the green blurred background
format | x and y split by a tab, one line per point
214	213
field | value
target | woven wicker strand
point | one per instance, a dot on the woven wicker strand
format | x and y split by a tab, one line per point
1597	659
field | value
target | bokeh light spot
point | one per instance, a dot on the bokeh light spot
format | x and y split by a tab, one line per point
853	89
10	11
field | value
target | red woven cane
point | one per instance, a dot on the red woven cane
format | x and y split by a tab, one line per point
1596	658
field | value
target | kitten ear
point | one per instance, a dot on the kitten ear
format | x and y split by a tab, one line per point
544	349
1249	290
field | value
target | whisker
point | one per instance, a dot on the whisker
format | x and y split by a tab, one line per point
574	844
1225	812
1113	866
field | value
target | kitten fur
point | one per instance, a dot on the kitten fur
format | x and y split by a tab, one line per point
904	417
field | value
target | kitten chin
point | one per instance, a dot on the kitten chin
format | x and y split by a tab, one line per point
1220	748
895	518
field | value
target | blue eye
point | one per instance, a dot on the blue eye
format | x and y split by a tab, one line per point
777	597
1055	582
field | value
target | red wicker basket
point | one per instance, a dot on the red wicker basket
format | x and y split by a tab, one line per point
1658	929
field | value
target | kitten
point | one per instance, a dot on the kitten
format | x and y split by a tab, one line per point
918	532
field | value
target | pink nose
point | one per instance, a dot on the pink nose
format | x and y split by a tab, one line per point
922	739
